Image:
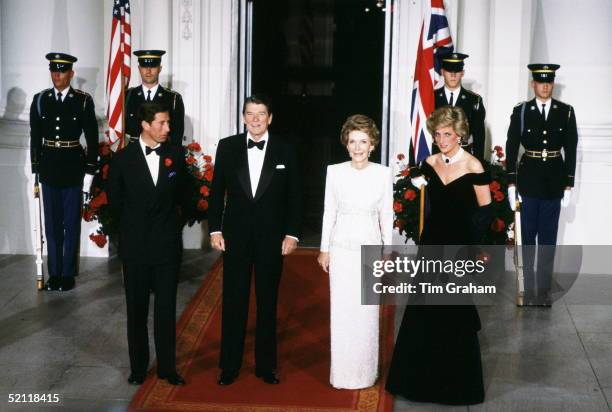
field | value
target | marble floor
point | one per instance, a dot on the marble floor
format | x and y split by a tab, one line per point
73	344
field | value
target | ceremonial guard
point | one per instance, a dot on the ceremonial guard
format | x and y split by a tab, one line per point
454	94
58	117
149	66
544	175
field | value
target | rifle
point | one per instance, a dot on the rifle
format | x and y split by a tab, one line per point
518	256
518	244
40	276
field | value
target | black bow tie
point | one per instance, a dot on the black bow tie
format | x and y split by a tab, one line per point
260	145
148	150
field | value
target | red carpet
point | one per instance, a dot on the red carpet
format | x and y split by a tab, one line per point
303	327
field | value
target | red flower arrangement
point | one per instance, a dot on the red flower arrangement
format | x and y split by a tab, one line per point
406	203
97	209
98	238
200	169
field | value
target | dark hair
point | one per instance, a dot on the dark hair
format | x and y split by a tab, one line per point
363	124
148	110
257	99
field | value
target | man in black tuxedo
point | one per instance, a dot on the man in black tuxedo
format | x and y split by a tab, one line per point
454	94
146	184
149	67
254	218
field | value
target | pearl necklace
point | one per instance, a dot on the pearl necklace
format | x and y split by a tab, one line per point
453	159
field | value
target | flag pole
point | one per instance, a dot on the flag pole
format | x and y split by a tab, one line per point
421	209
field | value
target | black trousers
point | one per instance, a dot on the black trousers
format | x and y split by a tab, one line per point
139	280
237	272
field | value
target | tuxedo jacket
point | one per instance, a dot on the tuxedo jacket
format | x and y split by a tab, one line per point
274	211
134	98
63	121
475	113
534	177
150	231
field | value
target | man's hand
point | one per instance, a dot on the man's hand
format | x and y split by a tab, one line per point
323	260
87	181
512	195
289	245
567	196
217	242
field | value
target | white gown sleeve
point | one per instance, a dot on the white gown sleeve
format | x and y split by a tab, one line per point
385	209
329	211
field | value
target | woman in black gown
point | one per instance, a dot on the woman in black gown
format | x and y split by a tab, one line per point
437	354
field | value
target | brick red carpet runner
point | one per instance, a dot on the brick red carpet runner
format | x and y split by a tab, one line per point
303	327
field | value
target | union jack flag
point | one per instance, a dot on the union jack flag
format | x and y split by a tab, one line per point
119	71
435	39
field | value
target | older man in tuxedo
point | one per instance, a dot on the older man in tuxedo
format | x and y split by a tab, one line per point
254	218
146	184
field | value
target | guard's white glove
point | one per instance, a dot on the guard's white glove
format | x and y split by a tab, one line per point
87	180
567	196
512	196
418	181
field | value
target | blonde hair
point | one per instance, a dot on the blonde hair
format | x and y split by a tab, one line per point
449	116
363	124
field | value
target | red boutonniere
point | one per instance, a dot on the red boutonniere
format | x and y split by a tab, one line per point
167	162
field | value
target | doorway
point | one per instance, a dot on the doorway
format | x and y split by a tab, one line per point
319	61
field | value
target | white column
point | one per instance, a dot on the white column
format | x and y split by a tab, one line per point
205	58
204	44
510	28
151	22
26	26
578	38
473	39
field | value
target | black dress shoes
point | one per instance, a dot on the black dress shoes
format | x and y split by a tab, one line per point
173	379
66	284
227	377
52	283
270	377
136	379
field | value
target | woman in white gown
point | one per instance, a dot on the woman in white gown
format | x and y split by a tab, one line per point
358	211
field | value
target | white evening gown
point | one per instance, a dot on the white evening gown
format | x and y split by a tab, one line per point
358	211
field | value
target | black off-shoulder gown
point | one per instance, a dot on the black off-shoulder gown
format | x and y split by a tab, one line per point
437	353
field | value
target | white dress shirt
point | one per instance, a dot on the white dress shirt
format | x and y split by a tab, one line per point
256	160
64	92
153	91
455	92
546	108
152	160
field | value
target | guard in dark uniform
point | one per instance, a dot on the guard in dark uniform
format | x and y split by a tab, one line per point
58	117
454	94
546	128
149	66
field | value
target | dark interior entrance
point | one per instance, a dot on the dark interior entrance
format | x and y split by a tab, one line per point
319	61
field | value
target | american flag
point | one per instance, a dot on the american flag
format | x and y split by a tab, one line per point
435	39
119	71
